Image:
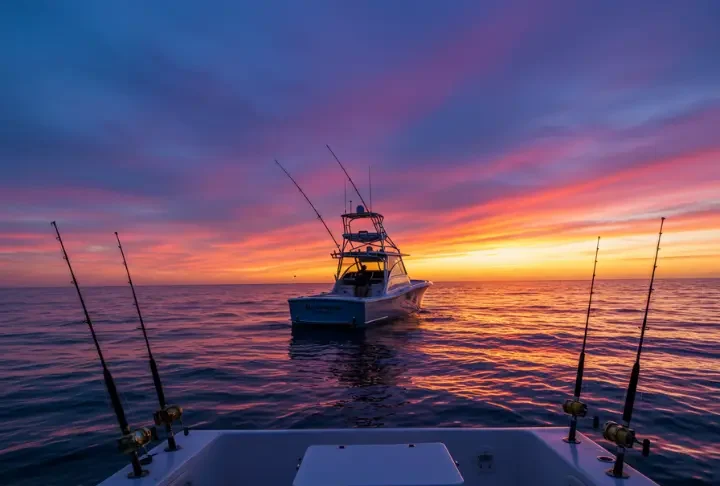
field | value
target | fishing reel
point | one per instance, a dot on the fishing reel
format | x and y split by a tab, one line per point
131	443
624	437
168	415
575	407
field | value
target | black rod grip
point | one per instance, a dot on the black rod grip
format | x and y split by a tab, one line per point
115	400
579	377
158	384
632	389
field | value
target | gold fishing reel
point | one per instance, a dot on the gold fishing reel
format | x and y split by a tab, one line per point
168	415
130	443
575	407
624	437
619	434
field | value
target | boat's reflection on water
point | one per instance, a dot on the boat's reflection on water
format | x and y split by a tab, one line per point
363	370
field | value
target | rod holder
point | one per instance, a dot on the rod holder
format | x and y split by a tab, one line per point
130	444
625	438
167	416
576	409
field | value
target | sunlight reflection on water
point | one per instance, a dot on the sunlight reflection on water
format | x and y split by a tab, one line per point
482	354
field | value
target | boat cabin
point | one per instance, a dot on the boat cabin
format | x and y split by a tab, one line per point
371	274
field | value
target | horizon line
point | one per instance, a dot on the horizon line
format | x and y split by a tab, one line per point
2	287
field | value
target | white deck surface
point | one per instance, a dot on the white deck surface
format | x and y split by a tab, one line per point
522	456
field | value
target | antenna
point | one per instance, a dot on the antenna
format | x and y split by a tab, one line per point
622	435
310	203
370	186
345	196
348	176
574	407
166	415
129	443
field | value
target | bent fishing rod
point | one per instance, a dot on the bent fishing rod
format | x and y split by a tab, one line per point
349	178
622	435
166	415
311	204
574	407
129	443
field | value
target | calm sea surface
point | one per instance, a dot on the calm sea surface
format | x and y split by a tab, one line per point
480	354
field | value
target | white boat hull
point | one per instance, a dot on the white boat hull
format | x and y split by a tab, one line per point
344	310
469	456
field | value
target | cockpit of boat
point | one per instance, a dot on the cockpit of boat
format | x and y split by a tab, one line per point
370	280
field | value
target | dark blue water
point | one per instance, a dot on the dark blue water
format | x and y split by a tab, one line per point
481	354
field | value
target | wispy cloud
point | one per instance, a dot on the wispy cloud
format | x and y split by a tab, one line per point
503	136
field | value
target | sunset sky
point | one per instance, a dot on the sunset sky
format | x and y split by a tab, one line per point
503	137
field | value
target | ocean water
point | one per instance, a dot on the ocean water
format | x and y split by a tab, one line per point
480	354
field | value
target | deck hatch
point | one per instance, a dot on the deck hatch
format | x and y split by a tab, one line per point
422	464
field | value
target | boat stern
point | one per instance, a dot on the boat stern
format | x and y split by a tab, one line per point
326	311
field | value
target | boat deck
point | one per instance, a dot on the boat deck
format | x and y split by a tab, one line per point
492	456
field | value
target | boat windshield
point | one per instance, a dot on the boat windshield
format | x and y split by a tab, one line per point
398	274
350	267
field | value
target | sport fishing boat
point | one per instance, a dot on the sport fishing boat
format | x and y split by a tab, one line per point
374	457
371	283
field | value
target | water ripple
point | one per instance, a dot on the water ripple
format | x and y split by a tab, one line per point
489	354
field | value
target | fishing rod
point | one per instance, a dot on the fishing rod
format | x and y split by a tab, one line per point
310	203
166	415
349	178
622	435
129	443
574	407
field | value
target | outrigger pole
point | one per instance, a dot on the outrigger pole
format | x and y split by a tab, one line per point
166	415
349	178
622	435
128	443
311	204
574	407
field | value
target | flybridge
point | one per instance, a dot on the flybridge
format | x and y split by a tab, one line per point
369	239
